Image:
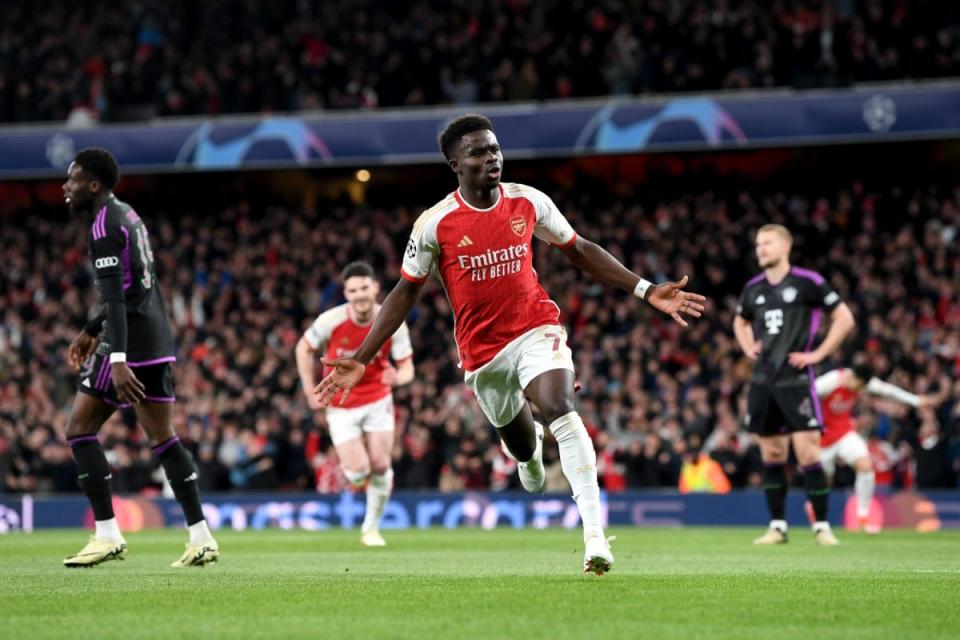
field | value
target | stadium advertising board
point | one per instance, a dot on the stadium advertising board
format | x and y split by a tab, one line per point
922	512
869	114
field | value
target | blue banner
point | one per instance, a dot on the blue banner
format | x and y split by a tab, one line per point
525	130
309	511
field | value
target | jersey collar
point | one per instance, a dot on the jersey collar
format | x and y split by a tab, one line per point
463	201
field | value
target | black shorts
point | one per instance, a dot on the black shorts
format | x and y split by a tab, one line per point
773	410
95	380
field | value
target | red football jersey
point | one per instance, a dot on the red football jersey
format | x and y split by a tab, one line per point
838	406
840	401
484	259
339	335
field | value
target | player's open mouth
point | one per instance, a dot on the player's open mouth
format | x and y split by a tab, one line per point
494	173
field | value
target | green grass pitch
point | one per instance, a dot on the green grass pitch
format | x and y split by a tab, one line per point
468	583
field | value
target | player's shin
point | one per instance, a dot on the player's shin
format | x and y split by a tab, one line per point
775	488
818	491
864	486
579	463
93	474
378	494
182	475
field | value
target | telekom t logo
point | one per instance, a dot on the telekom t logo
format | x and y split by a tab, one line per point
774	320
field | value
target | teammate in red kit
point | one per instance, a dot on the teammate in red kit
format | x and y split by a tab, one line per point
840	390
362	426
478	242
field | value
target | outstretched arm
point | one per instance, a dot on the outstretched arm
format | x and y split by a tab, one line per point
892	392
348	371
668	297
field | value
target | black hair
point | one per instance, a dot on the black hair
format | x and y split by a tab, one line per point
100	164
358	268
862	371
459	127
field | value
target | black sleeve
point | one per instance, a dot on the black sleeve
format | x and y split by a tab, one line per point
826	296
95	325
744	308
111	295
106	251
818	292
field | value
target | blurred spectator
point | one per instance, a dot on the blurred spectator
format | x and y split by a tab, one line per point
218	57
700	473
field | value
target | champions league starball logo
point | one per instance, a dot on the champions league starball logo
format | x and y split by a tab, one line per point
700	120
229	146
880	114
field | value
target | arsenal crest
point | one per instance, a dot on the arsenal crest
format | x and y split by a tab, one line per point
518	224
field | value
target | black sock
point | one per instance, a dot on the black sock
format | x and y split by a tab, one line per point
182	475
775	486
815	480
93	474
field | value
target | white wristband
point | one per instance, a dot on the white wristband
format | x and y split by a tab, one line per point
641	289
117	356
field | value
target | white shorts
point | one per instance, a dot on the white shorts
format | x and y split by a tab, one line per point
499	384
347	424
848	449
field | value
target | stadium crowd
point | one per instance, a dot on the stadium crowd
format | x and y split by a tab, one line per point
88	61
243	283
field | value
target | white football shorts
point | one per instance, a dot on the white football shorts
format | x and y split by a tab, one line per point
499	384
347	424
848	449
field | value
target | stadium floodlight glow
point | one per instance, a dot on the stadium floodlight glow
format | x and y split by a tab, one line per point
362	175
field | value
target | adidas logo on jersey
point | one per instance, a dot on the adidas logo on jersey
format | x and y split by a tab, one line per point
465	241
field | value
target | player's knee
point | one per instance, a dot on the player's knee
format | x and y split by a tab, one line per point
356	477
555	408
863	465
808	456
379	465
773	454
77	426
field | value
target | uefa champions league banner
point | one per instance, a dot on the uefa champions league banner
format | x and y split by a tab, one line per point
873	114
309	511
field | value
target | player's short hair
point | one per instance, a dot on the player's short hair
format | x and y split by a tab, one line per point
459	127
358	268
862	371
100	164
777	228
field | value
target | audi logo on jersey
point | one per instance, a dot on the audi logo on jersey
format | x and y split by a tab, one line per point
494	263
103	263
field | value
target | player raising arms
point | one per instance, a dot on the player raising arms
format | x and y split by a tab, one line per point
362	425
131	365
776	322
840	390
478	241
